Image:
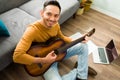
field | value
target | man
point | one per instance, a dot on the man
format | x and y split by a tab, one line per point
41	31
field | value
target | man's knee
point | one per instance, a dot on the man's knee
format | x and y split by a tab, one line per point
84	47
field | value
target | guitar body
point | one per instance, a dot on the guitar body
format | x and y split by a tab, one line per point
42	51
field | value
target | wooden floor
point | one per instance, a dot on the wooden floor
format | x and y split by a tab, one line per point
107	28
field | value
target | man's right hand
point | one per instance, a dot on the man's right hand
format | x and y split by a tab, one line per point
50	58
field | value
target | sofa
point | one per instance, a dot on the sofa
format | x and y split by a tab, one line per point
16	15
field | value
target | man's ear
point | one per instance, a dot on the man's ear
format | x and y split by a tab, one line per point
41	12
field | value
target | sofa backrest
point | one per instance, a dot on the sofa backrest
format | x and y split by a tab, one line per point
6	5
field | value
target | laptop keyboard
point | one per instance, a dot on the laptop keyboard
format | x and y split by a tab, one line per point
102	55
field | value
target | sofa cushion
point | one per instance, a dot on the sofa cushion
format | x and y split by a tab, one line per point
6	5
16	21
3	29
69	7
33	7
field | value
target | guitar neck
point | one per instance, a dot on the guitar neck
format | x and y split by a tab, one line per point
65	47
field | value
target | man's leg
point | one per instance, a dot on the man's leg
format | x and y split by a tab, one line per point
52	73
91	71
82	51
81	71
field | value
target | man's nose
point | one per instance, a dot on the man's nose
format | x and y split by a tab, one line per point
52	18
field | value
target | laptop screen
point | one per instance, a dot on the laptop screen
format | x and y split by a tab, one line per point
111	51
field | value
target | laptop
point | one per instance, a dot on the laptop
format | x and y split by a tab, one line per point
105	55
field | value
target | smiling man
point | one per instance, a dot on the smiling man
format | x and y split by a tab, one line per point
50	16
41	31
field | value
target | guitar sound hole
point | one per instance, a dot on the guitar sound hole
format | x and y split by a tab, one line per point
56	52
40	65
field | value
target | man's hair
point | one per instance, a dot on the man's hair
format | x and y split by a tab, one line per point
52	2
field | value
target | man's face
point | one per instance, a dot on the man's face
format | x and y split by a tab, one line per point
50	15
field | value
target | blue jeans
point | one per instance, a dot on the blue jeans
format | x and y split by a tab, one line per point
80	49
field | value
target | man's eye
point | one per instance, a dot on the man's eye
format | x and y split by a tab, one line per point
56	16
48	14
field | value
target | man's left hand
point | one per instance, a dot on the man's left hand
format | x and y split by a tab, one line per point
86	39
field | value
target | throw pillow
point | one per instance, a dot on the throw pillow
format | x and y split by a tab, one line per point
3	30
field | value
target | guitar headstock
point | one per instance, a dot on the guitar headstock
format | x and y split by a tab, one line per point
91	32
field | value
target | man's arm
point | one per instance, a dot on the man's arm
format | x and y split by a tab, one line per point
20	55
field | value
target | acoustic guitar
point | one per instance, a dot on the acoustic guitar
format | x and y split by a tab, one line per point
58	46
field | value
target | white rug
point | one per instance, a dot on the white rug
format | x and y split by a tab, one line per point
91	45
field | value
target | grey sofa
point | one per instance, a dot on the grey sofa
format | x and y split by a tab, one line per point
17	14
